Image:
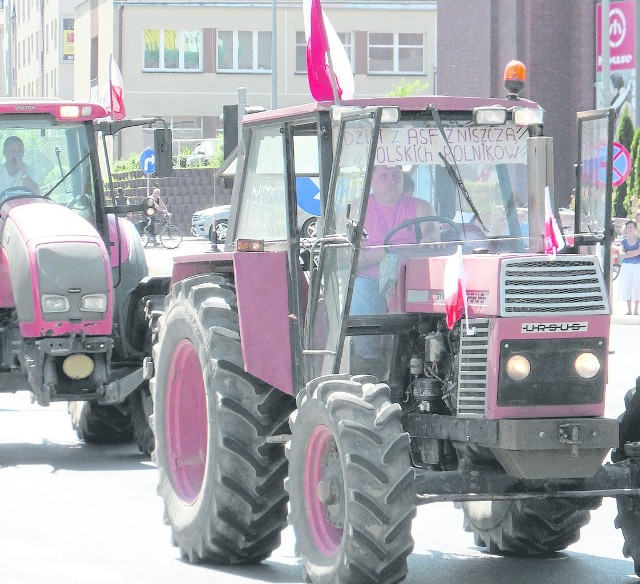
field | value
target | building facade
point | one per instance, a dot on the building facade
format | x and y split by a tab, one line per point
556	41
184	60
38	38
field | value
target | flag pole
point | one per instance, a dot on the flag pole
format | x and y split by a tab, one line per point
471	331
111	85
332	74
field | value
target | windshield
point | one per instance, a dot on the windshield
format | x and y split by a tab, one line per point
491	163
43	158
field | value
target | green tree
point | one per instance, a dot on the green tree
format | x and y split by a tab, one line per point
405	89
625	136
633	182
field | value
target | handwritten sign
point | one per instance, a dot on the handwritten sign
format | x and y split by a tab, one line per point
422	145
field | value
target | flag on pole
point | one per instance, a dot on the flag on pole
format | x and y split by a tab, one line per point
116	92
553	240
324	48
455	290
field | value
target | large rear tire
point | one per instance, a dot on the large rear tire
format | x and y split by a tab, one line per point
350	482
628	518
221	481
527	527
101	424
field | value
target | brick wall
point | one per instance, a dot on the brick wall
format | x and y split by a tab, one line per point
190	190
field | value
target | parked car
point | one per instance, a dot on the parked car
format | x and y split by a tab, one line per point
212	223
202	153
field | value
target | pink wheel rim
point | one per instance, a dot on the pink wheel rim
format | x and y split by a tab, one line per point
327	537
186	422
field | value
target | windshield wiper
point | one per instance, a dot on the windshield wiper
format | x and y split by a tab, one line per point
454	172
54	187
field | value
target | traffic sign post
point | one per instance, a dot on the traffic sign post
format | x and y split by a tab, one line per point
148	165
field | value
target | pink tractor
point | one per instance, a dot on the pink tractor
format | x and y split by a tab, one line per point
73	276
323	373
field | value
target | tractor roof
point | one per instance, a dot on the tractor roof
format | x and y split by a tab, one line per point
416	103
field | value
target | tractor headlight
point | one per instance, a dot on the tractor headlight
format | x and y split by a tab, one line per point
54	303
587	365
518	367
94	303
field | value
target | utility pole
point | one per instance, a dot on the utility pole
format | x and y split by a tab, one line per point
606	58
274	56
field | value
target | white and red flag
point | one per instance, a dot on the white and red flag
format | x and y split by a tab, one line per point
553	240
112	95
455	290
328	66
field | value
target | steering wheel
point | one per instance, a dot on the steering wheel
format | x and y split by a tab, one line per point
79	202
417	221
15	193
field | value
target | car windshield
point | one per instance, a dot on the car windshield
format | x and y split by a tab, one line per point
52	158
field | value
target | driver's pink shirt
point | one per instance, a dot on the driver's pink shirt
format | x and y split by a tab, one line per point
380	219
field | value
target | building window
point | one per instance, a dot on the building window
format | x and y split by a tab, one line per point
172	50
244	50
186	132
396	52
301	50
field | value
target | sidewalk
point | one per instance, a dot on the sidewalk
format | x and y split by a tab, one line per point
619	307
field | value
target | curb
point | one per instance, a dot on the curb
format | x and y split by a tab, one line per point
625	319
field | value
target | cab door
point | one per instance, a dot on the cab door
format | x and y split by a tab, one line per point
593	230
336	251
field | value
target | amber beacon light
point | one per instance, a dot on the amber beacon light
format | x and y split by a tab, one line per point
515	74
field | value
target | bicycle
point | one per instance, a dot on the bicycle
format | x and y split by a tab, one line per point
169	234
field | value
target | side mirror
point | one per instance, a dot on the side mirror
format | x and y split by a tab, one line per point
163	152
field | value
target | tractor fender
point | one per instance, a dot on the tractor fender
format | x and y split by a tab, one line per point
263	307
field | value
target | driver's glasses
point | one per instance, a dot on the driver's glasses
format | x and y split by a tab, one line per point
392	176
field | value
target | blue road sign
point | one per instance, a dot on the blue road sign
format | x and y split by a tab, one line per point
308	195
621	164
148	161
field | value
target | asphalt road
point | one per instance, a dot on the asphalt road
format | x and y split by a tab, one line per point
77	514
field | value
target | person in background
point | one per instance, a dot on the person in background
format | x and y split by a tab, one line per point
524	226
160	207
629	286
14	172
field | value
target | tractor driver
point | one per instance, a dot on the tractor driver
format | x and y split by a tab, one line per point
388	206
14	172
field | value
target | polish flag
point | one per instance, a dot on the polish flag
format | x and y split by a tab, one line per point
322	40
553	239
116	92
455	291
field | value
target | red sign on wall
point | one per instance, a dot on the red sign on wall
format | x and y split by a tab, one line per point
621	35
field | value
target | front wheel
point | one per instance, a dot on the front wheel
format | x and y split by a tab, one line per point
628	518
220	231
527	527
310	228
221	481
350	482
140	407
170	236
100	424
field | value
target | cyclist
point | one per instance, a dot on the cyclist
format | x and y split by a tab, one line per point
160	207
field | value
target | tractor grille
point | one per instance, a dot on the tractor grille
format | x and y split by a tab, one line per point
472	369
553	286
